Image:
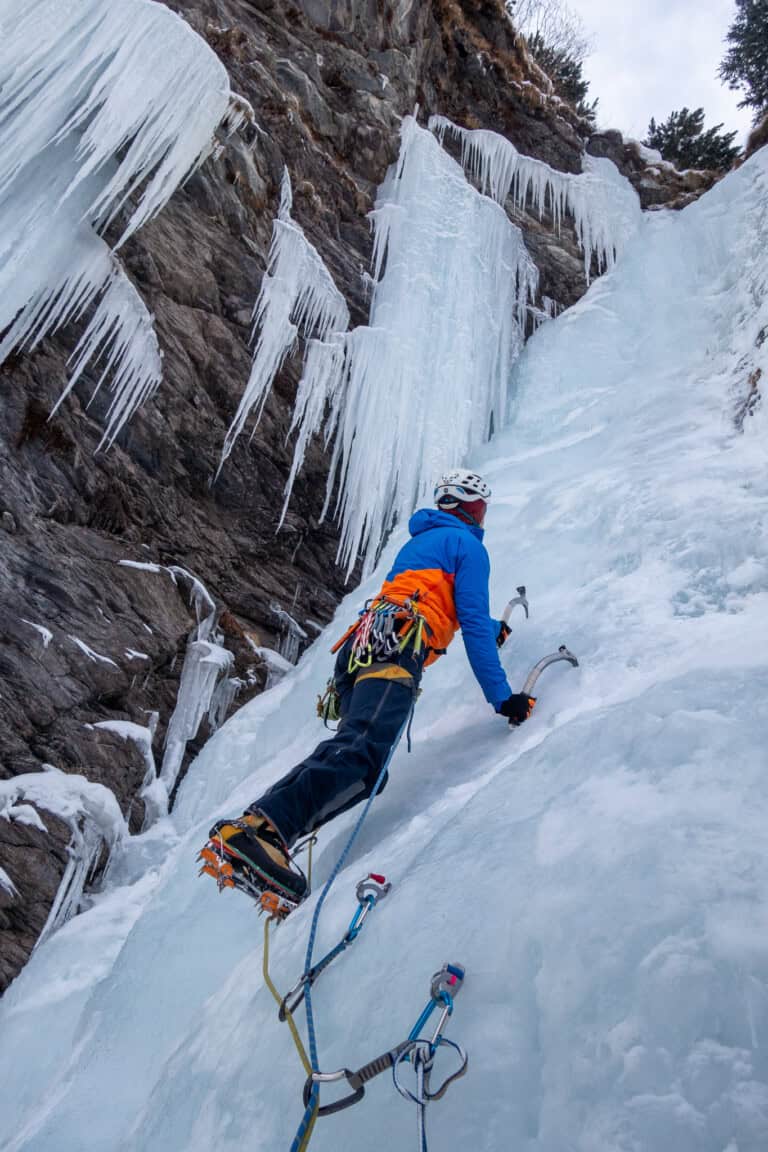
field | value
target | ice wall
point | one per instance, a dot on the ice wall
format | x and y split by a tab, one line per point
104	110
427	379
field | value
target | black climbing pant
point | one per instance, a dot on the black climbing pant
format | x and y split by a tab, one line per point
342	771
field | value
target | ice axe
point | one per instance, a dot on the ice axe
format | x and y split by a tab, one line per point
519	599
506	615
562	653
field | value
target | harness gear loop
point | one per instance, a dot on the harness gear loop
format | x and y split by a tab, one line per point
385	627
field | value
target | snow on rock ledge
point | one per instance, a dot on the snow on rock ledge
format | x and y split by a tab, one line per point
93	816
81	83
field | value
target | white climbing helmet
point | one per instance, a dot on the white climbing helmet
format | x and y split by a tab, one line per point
460	486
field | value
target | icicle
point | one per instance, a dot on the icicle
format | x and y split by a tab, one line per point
222	700
82	83
297	294
292	634
419	388
7	884
200	598
204	664
604	206
318	389
277	665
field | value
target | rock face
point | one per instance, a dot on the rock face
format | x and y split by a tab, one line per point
659	185
329	81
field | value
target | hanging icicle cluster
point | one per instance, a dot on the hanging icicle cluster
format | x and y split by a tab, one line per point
297	294
81	84
424	380
94	818
421	386
603	205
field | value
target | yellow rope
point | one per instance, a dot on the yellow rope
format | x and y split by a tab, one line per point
291	1022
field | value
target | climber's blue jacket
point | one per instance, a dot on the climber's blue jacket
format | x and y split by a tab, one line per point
445	561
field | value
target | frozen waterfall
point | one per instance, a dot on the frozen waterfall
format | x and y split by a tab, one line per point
600	872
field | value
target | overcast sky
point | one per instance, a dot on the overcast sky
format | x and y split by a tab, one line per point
655	56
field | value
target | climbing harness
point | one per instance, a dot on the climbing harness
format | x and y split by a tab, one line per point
385	627
369	891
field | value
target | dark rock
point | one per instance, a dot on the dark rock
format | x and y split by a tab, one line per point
659	185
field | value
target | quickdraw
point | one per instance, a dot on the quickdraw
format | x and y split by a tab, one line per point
369	891
329	704
420	1052
446	984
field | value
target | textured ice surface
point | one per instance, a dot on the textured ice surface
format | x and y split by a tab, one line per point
600	872
81	83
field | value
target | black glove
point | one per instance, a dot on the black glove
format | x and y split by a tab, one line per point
504	631
517	708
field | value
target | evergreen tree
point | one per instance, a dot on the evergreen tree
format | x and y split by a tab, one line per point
745	64
565	72
682	141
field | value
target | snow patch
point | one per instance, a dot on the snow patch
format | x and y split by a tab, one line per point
45	633
96	657
7	884
94	820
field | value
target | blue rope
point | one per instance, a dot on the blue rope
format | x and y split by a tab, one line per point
313	1101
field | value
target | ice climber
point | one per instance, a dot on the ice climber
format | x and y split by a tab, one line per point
437	584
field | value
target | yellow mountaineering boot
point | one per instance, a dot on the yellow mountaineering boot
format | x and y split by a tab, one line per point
255	849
